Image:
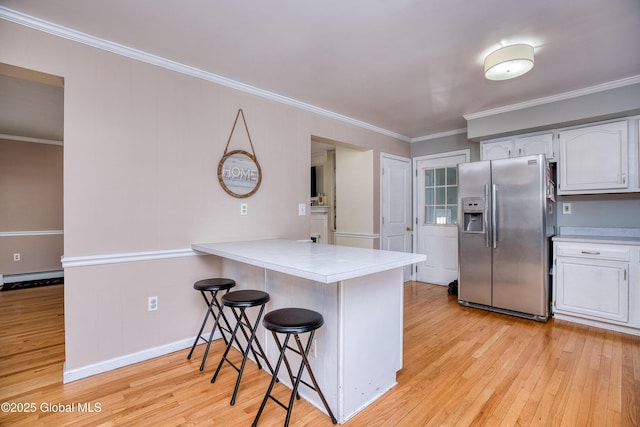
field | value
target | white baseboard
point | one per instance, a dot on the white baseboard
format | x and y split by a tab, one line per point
70	375
12	278
604	325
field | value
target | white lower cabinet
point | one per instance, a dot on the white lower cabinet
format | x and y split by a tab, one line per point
593	288
595	284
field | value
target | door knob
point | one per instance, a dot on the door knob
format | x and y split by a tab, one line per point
409	229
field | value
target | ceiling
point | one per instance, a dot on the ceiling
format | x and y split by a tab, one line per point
408	68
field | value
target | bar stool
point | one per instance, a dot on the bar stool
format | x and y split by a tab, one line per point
239	301
293	321
212	286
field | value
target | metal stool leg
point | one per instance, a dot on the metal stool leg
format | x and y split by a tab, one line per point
242	321
274	378
226	351
216	325
204	322
316	387
295	380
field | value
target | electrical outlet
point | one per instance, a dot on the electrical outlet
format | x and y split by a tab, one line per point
243	209
152	303
16	257
566	208
302	209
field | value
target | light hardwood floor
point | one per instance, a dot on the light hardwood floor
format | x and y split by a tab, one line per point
462	367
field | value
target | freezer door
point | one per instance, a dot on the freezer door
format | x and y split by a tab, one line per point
520	263
474	251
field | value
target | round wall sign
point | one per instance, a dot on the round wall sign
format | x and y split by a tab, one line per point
239	173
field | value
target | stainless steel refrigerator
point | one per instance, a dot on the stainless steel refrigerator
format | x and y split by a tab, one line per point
506	216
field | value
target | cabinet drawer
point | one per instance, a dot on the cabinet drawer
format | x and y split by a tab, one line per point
596	251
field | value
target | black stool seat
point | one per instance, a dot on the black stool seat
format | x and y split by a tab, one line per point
212	286
292	320
215	284
239	302
245	298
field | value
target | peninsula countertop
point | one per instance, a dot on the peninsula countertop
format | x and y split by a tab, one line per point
313	261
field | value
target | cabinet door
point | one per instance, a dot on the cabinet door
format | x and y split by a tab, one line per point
535	144
497	149
593	158
592	288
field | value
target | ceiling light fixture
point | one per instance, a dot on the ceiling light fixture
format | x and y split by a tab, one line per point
508	62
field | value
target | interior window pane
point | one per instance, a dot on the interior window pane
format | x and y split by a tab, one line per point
441	215
451	176
441	196
452	195
428	196
440	176
429	214
453	216
428	177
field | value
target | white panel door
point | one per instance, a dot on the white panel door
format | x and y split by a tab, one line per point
396	230
436	215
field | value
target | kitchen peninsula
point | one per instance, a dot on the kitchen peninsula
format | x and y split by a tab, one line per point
358	291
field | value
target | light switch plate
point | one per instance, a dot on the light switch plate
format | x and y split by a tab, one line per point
302	209
566	208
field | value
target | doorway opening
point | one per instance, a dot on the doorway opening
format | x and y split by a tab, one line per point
31	179
344	173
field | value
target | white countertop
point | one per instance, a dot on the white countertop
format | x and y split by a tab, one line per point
318	262
625	236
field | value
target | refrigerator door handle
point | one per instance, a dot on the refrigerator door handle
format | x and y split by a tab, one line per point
487	230
494	215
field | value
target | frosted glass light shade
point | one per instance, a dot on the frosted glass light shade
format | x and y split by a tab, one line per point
508	62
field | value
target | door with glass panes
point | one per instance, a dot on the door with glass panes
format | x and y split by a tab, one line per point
437	215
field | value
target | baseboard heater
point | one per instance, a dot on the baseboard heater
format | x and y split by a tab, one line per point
25	277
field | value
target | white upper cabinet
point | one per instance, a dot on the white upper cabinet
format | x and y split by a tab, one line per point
496	149
594	159
536	144
519	146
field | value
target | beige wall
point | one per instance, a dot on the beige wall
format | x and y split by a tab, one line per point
354	198
141	150
31	203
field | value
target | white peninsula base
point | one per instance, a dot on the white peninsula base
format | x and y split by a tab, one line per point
359	292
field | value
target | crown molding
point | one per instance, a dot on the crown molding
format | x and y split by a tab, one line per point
138	55
438	135
554	98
